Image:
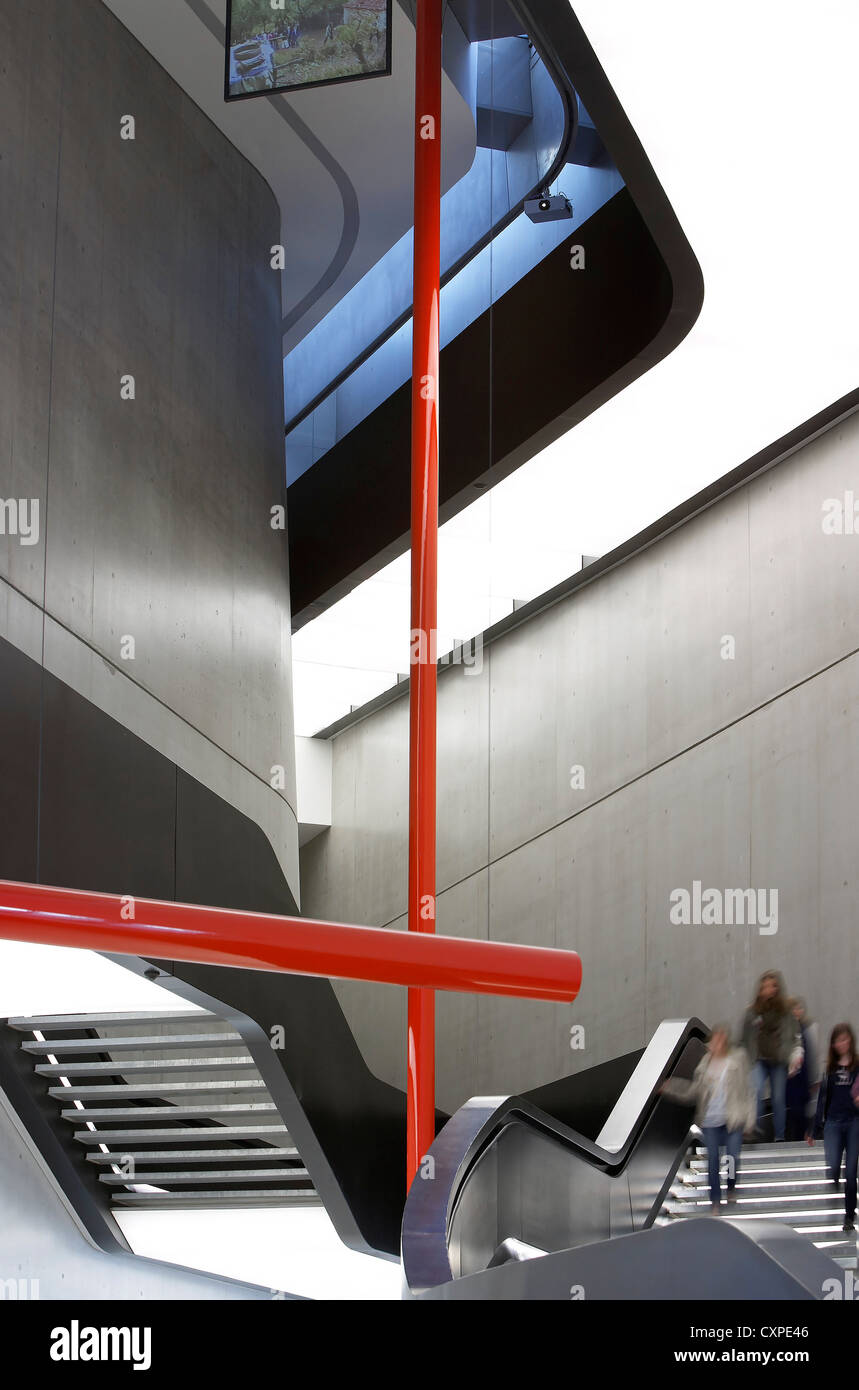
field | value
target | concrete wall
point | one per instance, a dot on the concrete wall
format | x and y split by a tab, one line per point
735	772
147	257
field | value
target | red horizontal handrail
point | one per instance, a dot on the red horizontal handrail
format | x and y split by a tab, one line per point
129	926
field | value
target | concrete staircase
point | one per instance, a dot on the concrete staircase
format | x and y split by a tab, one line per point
170	1108
776	1182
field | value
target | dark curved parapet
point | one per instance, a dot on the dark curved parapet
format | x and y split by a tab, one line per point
56	1243
585	1101
700	1260
640	297
506	1169
116	816
349	1127
52	1141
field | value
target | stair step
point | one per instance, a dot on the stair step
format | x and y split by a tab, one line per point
257	1197
188	1107
815	1219
182	1156
199	1134
767	1169
154	1089
751	1163
170	1112
123	1067
75	1046
782	1153
785	1183
816	1201
843	1250
215	1175
764	1189
278	1197
44	1023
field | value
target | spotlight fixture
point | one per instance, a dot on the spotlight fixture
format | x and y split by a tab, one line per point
548	208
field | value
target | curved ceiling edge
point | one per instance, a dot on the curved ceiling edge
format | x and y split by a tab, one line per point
68	658
325	563
344	185
570	51
450	272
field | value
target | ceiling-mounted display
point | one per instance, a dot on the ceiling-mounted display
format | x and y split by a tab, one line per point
285	45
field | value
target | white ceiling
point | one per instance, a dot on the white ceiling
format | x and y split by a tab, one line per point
365	128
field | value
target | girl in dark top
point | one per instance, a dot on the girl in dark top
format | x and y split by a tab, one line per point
838	1114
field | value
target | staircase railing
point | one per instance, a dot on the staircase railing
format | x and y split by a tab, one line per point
124	925
144	927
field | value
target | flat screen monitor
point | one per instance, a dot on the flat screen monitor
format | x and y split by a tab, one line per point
286	45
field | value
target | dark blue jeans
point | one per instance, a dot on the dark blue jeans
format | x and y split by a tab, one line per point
718	1137
841	1141
776	1072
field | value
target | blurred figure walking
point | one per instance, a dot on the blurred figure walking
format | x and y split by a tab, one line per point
802	1085
770	1036
838	1114
724	1101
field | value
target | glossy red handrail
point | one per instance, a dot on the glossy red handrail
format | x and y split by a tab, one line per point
297	945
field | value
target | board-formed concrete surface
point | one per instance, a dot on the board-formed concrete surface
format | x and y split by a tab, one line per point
145	258
708	688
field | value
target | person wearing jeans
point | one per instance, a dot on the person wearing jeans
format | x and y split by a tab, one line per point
838	1115
771	1038
802	1086
724	1102
773	1074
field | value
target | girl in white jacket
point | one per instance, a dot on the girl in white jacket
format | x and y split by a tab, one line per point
725	1107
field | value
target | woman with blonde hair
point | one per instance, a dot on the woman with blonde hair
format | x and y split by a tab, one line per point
724	1101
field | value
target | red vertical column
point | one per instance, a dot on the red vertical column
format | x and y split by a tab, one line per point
422	692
